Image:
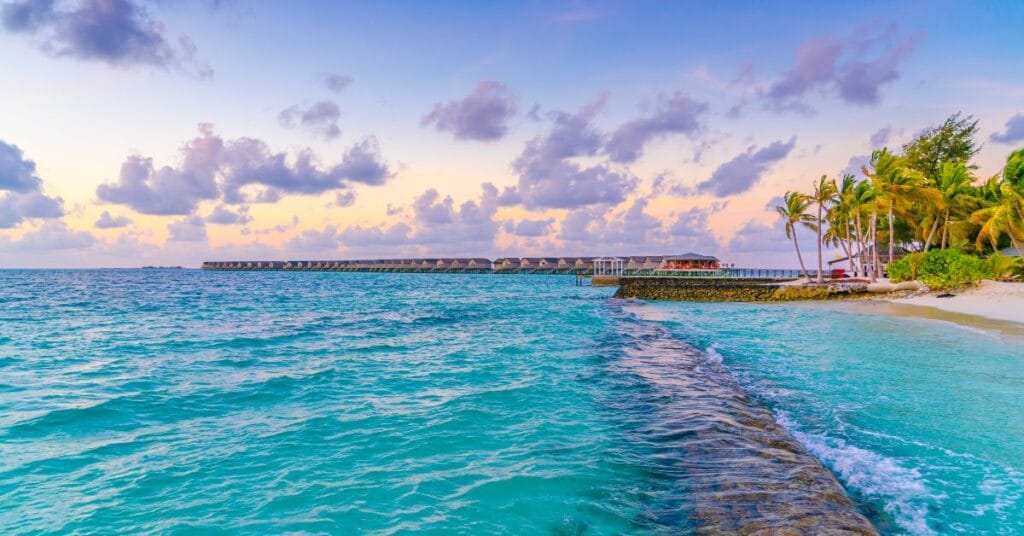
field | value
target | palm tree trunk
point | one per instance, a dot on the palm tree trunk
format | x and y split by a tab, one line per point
849	250
931	234
876	269
799	256
821	274
945	230
1017	245
849	254
860	244
892	235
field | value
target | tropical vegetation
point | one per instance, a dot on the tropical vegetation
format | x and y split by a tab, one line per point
919	212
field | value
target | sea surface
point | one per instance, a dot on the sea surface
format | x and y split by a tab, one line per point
178	401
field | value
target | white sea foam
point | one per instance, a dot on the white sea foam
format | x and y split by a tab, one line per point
901	490
712	354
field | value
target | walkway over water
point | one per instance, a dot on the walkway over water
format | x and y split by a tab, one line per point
632	266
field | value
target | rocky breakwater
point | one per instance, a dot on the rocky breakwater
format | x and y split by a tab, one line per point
735	290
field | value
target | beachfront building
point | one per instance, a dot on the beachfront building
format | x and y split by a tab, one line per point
689	263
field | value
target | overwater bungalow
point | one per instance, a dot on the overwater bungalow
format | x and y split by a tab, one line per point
506	265
478	263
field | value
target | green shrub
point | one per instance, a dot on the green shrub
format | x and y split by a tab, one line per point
939	268
1001	267
906	269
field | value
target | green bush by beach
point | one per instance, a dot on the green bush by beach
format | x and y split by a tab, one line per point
940	268
948	268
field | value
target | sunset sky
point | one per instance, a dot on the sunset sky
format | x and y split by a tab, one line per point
177	131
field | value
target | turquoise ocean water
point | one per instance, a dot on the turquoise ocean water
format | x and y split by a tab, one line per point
183	401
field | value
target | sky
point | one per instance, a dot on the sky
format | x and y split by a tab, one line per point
170	132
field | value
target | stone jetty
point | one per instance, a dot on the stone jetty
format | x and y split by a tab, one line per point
724	289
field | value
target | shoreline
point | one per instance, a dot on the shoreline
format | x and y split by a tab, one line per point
912	308
992	300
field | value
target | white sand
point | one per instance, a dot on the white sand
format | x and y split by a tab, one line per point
990	299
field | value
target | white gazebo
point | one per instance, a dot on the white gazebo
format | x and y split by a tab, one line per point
608	266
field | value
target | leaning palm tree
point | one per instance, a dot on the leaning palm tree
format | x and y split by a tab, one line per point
1005	217
898	188
794	213
840	218
824	195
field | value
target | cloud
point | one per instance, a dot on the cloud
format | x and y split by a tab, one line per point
51	236
190	229
756	237
169	190
362	163
483	115
345	199
315	243
337	82
116	32
815	66
321	118
881	137
26	15
632	231
222	215
860	81
691	229
633	228
678	114
358	236
1013	132
107	221
430	208
17	207
468	229
575	227
17	173
549	179
530	228
855	165
854	69
212	168
471	225
746	169
24	198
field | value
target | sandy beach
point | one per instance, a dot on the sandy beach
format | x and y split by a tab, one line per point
990	299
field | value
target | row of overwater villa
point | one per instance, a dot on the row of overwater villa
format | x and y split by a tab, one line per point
632	265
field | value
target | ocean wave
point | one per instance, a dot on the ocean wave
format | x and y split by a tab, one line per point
901	490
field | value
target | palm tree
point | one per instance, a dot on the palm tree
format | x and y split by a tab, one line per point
955	184
898	189
1005	217
840	217
824	194
863	203
794	212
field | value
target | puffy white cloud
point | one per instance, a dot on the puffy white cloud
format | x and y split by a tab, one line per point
482	115
213	168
